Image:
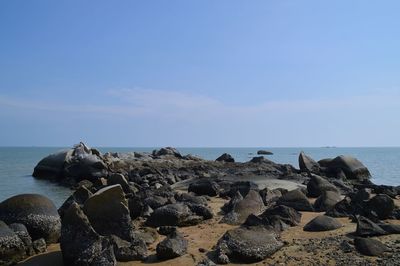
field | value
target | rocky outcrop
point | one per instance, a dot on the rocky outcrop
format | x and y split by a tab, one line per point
174	245
322	223
36	212
247	245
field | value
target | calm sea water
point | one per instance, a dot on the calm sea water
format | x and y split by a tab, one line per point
16	164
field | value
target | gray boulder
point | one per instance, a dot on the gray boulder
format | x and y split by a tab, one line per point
370	247
12	249
23	234
317	185
327	201
225	158
382	205
264	152
204	187
79	196
367	228
119	179
352	168
297	200
79	242
177	214
307	164
128	251
52	166
248	245
343	208
175	245
322	223
108	213
36	212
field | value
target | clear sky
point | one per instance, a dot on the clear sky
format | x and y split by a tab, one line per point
200	73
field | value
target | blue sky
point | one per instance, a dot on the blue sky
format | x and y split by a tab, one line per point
200	73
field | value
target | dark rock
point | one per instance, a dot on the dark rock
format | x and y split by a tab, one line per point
269	197
12	249
189	198
119	179
327	200
177	214
167	151
247	245
147	234
225	158
36	212
317	185
351	167
346	247
370	247
382	205
390	228
23	234
259	159
52	166
79	196
286	214
155	201
366	228
322	223
204	187
343	208
175	245
242	186
39	245
128	251
264	152
166	230
108	213
251	204
201	210
80	244
228	207
307	164
297	200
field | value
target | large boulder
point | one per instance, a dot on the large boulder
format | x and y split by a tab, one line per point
81	244
327	201
322	223
382	205
204	187
174	245
343	208
177	214
352	168
225	158
251	204
52	166
277	218
248	245
307	164
317	185
23	234
367	228
369	246
79	196
108	213
297	200
36	212
12	249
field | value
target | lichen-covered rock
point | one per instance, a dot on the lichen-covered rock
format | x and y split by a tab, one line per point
108	213
79	242
175	245
12	249
36	212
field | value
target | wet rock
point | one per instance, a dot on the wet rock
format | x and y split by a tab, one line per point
322	223
307	164
175	245
370	247
36	212
264	152
225	158
297	200
177	214
247	245
12	249
108	213
204	187
327	200
382	205
39	245
366	228
317	185
251	204
79	242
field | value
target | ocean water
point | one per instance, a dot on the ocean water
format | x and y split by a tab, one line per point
17	163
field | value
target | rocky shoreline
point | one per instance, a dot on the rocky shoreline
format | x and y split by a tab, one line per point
152	207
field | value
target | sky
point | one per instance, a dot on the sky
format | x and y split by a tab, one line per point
200	73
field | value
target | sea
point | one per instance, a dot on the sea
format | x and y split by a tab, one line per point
17	164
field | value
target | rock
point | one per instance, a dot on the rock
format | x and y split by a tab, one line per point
343	208
175	245
317	185
177	214
366	228
166	230
39	245
108	213
247	245
204	187
307	164
390	228
23	234
370	247
297	200
52	166
361	196
12	249
225	158
168	151
322	223
228	207
201	210
128	251
119	179
251	204
79	242
327	200
189	198
382	205
264	152
286	214
79	196
259	159
36	212
242	186
269	197
155	201
147	234
351	167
